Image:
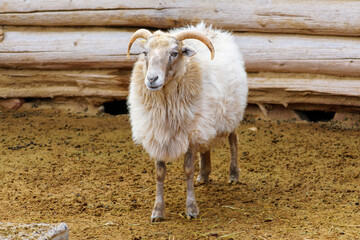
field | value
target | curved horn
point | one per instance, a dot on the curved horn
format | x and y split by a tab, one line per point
141	33
199	36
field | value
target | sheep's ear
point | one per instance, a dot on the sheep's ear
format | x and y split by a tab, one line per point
141	42
188	51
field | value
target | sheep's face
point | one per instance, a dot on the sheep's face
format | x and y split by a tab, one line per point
163	55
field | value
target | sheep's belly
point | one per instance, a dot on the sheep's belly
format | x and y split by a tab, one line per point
165	146
177	146
216	142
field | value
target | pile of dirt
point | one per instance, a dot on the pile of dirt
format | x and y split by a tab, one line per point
298	181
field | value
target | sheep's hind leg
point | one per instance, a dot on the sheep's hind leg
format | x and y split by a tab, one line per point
192	210
234	169
205	168
159	206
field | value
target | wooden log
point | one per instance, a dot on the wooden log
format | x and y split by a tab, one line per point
315	89
300	53
265	88
105	83
11	103
34	231
326	17
74	48
59	48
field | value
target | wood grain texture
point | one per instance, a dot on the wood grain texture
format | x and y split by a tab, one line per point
265	88
324	17
290	88
300	53
59	48
106	83
101	48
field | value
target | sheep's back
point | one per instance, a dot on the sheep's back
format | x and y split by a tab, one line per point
224	82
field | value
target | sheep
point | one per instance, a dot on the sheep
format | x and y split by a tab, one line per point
183	101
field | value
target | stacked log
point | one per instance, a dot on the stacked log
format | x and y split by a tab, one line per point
296	52
327	17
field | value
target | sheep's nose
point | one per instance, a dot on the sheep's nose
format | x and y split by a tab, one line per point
152	79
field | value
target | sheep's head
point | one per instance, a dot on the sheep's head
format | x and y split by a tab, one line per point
164	52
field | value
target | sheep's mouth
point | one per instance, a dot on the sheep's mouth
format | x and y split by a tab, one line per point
154	88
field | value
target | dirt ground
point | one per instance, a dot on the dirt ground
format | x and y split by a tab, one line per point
298	181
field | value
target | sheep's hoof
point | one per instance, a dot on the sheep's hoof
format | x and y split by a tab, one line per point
192	210
200	180
234	176
189	217
199	183
157	219
233	181
157	214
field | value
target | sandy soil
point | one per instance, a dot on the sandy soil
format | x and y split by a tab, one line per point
298	180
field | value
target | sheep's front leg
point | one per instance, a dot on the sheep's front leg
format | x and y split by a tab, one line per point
159	207
192	210
205	167
234	169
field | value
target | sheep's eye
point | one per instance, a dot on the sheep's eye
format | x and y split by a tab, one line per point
174	54
145	53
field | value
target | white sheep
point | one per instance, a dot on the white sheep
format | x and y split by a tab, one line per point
182	100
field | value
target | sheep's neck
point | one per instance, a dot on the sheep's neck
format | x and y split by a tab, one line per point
167	113
179	94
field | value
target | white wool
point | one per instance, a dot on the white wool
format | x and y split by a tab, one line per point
167	130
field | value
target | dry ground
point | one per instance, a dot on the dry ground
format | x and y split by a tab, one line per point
298	180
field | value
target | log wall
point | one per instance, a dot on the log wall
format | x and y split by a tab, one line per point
296	52
324	17
72	48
